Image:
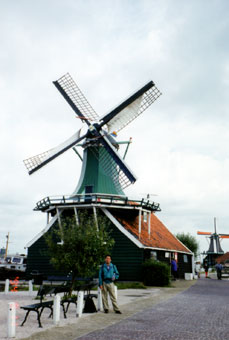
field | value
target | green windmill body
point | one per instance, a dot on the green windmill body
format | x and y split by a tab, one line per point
94	178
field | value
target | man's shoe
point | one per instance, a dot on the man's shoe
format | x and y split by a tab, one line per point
118	312
106	311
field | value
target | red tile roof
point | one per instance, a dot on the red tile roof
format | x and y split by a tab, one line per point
222	258
160	236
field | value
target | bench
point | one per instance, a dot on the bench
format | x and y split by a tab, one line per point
39	307
53	290
59	278
89	304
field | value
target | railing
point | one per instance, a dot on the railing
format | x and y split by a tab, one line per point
94	198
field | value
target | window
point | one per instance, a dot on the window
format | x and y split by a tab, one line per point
185	257
153	255
16	260
167	255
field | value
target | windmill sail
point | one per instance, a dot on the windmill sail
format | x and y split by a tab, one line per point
36	162
76	99
203	233
131	108
97	139
119	170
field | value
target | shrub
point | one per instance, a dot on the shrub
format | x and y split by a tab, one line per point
156	273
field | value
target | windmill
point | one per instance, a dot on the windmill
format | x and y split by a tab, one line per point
103	169
214	246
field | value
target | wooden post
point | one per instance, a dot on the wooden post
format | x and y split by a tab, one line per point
58	216
95	216
139	222
116	291
149	223
99	301
79	307
7	284
30	287
56	310
47	217
11	320
76	215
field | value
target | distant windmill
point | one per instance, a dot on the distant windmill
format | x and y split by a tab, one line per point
214	246
103	169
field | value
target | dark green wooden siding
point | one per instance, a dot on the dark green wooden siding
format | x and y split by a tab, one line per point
127	257
39	259
125	254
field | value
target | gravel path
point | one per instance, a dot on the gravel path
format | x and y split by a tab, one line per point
199	313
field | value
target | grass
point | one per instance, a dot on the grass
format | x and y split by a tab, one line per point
127	285
130	285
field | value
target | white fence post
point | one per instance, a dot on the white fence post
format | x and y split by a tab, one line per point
30	287
11	320
56	310
7	284
116	292
79	307
99	300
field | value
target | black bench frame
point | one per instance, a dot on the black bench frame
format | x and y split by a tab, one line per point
39	307
50	290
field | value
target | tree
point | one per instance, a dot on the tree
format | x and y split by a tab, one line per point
80	247
189	241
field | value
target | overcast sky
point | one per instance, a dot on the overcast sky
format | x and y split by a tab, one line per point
180	149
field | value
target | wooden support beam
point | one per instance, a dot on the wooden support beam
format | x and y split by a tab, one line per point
58	216
47	217
149	223
76	216
95	217
140	222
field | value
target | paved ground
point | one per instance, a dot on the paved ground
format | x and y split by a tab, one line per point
130	301
199	313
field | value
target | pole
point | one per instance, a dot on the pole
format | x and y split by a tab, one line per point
79	307
7	284
116	292
30	287
7	244
56	310
149	223
139	222
11	320
215	224
99	301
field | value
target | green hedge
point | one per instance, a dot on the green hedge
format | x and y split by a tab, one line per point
156	273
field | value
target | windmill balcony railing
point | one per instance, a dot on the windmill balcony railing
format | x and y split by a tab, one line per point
98	199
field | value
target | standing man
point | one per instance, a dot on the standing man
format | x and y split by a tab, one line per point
108	273
174	269
219	268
